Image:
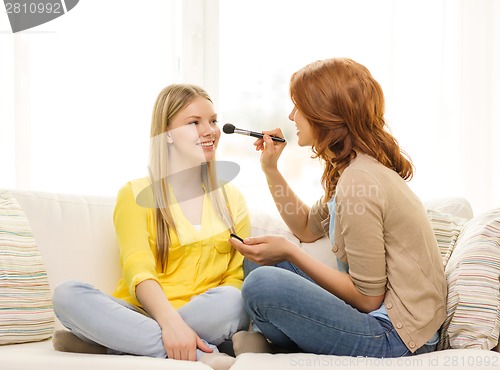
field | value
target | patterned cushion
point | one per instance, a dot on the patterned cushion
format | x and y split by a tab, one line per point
446	228
473	273
25	304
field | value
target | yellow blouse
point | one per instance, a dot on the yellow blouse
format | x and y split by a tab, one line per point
203	260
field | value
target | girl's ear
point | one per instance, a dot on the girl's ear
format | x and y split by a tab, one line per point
169	139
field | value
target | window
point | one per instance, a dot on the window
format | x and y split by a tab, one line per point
79	94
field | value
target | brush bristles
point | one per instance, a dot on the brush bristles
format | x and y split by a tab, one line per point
228	128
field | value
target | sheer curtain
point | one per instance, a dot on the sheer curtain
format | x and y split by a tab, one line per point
76	93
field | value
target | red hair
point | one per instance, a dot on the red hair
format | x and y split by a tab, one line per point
345	107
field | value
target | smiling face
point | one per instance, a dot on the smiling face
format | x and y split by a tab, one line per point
193	133
304	129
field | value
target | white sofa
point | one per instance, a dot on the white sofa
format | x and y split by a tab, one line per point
76	238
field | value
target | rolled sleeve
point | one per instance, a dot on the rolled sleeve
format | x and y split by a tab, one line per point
318	218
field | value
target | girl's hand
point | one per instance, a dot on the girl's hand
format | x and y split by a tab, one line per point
271	150
181	342
265	250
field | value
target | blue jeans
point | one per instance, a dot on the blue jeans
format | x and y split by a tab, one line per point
298	315
249	266
96	317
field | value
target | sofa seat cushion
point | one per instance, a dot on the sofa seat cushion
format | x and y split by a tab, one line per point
26	313
452	359
41	356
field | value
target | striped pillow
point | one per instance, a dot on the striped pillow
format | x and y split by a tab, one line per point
473	273
25	304
446	228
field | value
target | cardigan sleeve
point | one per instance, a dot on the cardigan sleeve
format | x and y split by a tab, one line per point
318	218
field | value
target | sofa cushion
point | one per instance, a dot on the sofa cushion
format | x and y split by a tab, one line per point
456	206
265	223
473	272
41	356
447	228
76	237
450	359
268	223
25	304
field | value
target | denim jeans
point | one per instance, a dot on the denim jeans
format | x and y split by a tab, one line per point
96	317
249	266
297	314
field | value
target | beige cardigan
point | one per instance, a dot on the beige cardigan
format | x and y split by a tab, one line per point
382	232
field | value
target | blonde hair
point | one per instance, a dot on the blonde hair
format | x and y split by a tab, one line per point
345	107
170	101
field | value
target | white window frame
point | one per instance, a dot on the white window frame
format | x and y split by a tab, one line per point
199	44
